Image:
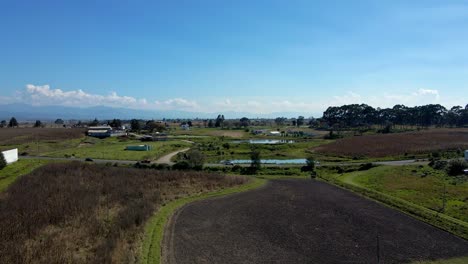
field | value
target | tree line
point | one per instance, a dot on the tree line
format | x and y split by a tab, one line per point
359	115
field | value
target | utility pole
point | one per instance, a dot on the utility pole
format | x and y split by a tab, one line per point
378	249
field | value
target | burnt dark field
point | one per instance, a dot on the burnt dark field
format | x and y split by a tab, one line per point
297	221
84	213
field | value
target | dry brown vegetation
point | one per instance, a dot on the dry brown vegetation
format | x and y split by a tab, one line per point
84	213
398	144
12	136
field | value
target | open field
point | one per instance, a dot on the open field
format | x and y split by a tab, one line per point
10	173
301	221
399	144
82	213
423	186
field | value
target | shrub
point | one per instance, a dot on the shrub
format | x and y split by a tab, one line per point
366	166
439	164
456	167
2	161
181	165
236	168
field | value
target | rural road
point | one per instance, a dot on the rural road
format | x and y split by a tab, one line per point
167	159
294	221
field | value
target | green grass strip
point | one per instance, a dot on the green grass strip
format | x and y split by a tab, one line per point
154	230
442	221
11	172
461	260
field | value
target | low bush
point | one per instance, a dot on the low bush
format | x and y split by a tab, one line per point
3	162
456	167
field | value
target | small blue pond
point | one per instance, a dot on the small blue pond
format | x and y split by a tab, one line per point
264	141
267	161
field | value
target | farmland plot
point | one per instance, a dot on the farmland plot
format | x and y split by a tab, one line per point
82	213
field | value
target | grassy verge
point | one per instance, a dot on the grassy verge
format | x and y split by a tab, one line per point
11	172
154	231
440	220
461	260
421	185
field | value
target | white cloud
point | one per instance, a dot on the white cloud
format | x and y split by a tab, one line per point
177	103
44	95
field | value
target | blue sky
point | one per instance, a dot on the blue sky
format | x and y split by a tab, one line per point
250	56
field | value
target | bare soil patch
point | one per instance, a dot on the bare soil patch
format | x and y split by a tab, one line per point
398	144
84	213
303	222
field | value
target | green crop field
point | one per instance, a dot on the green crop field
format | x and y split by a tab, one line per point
114	149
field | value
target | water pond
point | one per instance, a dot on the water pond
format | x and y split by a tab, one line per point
267	161
264	141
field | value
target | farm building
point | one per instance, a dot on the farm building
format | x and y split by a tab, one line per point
258	132
155	137
104	131
139	148
10	155
274	133
185	127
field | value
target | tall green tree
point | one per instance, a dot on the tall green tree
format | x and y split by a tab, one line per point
59	121
95	122
300	121
38	123
255	159
116	123
244	122
13	122
135	125
219	121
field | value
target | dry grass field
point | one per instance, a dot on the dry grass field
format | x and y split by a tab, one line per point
12	136
398	144
83	213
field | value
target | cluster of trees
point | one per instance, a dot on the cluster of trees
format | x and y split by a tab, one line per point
355	115
13	123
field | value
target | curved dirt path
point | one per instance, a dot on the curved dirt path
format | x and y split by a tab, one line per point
167	158
302	222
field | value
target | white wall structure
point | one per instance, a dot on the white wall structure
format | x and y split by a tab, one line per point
10	155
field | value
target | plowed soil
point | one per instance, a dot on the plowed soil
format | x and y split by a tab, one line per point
302	222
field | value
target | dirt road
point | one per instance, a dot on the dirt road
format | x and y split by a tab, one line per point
302	222
167	158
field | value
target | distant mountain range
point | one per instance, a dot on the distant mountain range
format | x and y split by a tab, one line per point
25	112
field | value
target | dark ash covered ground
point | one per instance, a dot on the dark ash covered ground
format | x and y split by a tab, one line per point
302	222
